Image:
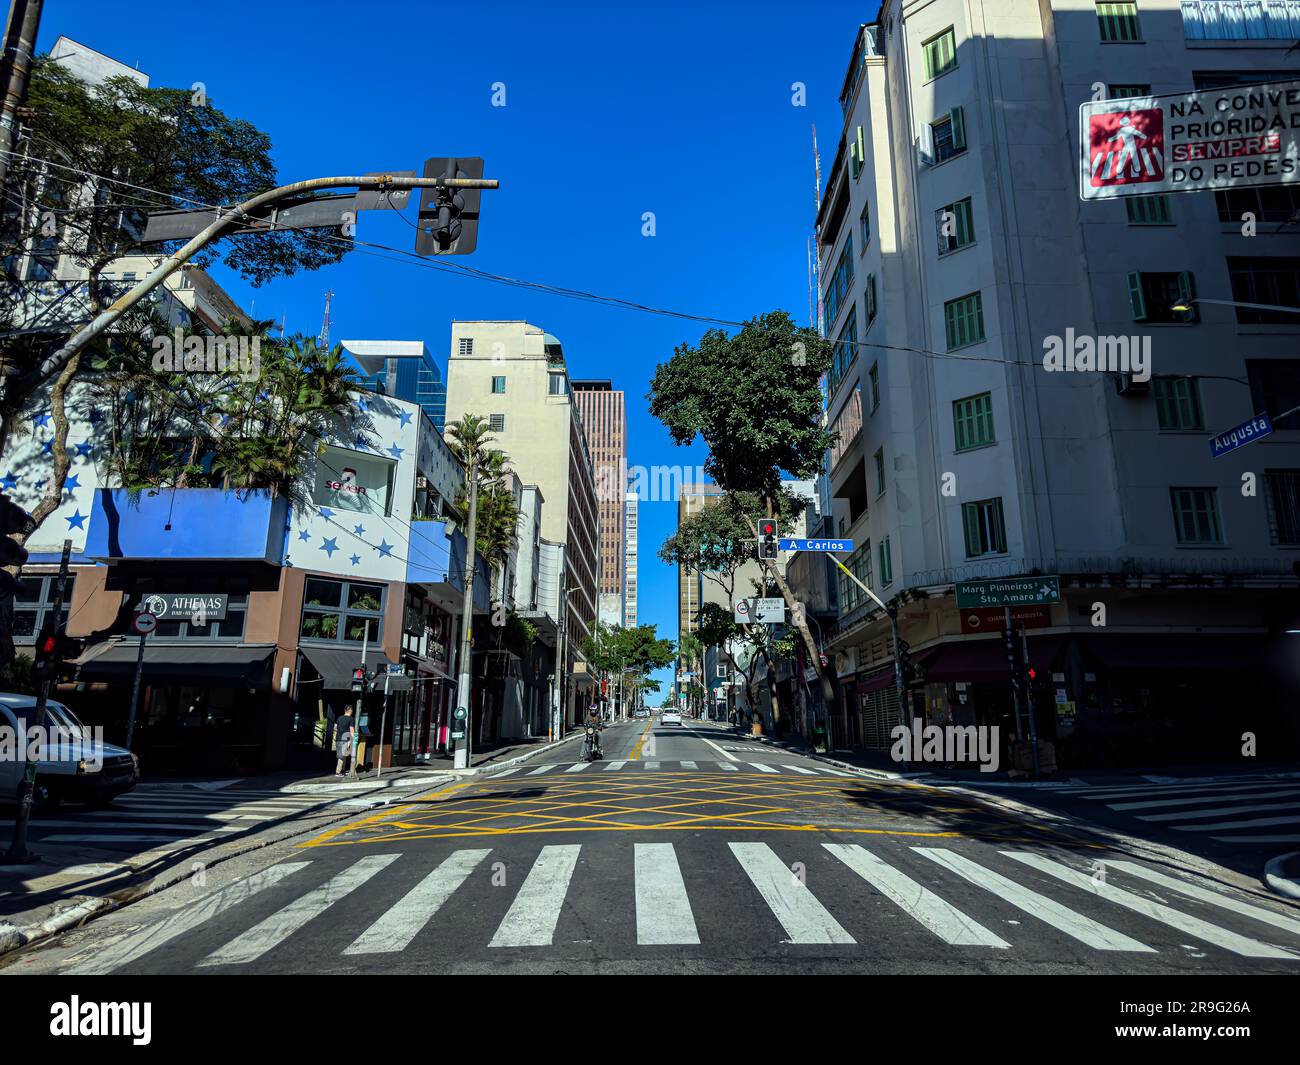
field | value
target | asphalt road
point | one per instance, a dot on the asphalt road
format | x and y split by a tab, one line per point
691	849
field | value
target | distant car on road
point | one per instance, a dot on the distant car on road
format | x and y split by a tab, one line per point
643	713
670	717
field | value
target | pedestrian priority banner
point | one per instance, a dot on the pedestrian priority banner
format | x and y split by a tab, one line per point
1239	136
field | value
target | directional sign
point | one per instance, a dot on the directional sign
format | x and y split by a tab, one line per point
1240	435
816	545
144	624
759	611
1009	591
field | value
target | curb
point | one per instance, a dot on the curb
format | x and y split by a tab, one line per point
84	908
875	774
1283	885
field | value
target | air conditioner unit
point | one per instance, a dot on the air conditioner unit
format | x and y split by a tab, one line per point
421	482
1126	386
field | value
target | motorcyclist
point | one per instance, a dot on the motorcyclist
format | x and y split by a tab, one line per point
594	721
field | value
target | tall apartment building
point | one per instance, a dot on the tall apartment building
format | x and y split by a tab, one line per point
403	369
695	496
954	250
630	560
605	422
514	374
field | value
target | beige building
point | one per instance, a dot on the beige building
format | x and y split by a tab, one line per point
514	374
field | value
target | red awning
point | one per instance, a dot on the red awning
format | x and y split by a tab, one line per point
876	681
972	660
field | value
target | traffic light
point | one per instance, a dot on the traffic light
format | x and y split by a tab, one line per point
448	218
45	652
768	546
12	519
359	681
905	663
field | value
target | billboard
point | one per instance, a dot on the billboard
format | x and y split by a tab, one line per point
1234	137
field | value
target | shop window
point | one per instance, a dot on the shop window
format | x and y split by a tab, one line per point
338	611
34	605
352	481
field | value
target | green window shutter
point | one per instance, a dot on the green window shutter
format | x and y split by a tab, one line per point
1135	297
970	521
957	115
998	534
961	432
985	411
965	223
1187	294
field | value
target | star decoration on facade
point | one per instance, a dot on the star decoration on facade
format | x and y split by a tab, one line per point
356	560
47	448
405	417
396	451
326	513
304	535
84	448
385	549
8	482
329	546
72	482
359	530
77	521
362	443
40	421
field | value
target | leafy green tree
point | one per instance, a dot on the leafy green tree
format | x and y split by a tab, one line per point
755	399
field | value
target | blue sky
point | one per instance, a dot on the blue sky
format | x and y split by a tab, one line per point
612	110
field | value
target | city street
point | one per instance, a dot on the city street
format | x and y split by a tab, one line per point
689	849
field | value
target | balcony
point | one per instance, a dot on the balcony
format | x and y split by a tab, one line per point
1241	20
849	425
436	557
194	524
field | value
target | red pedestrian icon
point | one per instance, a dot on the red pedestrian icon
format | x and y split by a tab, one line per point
1127	147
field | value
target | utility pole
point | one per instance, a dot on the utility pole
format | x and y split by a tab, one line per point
561	679
15	69
462	756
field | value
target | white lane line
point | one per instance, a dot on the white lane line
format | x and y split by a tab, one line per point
762	768
800	769
728	767
616	765
1214	898
804	919
725	754
663	909
180	921
688	765
577	767
532	917
1256	822
918	902
401	924
1076	925
274	930
1196	815
539	770
1193	926
1251	797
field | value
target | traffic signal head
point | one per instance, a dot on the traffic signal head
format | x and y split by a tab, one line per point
12	519
448	218
768	547
358	680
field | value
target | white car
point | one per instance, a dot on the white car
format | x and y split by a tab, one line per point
670	717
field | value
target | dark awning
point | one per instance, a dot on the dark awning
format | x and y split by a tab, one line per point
336	664
967	660
243	665
875	681
1194	651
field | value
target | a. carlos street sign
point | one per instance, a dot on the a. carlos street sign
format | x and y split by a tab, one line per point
1009	591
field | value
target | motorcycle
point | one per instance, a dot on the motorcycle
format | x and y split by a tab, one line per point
591	744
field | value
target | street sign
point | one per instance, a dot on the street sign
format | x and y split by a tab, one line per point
816	545
460	713
759	611
143	624
1235	137
1240	435
993	618
395	669
1009	591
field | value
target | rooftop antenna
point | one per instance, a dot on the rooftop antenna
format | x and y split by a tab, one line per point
323	341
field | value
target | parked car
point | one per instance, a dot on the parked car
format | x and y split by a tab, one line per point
74	767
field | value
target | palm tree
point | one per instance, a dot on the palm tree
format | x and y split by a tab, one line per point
498	516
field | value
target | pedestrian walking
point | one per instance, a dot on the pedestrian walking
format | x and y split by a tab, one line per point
343	728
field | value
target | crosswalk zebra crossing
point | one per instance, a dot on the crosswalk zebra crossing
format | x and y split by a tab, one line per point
1227	809
167	817
616	765
823	899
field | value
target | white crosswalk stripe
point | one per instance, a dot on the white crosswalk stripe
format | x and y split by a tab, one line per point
266	934
577	767
532	917
727	767
762	768
804	919
1257	822
1217	811
688	765
663	908
800	769
616	765
1253	796
509	772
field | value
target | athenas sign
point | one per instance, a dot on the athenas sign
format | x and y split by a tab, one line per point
1236	137
199	609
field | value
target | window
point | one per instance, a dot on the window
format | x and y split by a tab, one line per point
498	386
873	376
864	227
859	564
1277	203
886	563
1127	92
954	226
1178	403
880	471
1272	279
1275	387
466	346
558	385
1283	495
869	293
837	292
34	605
973	421
1227	79
1119	21
340	610
986	531
1196	515
1152	297
948	135
1148	210
350	480
857	154
940	54
963	320
497	423
1232	20
846	350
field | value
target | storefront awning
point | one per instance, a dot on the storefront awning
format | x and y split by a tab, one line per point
336	664
877	680
1197	651
967	660
242	665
